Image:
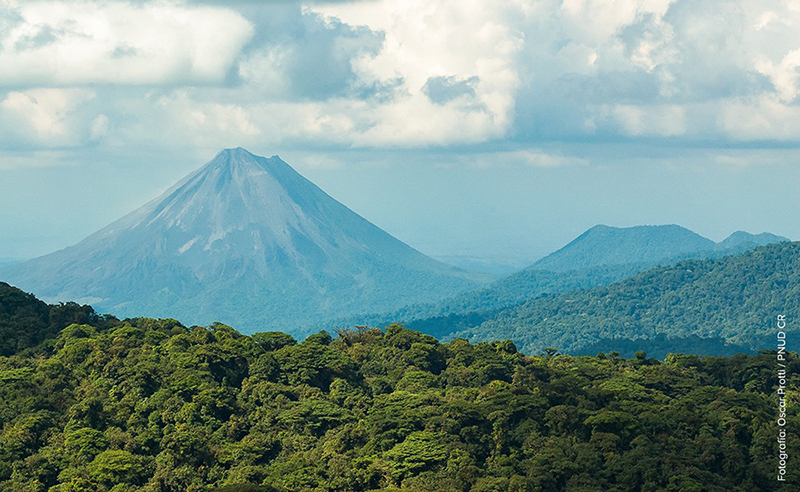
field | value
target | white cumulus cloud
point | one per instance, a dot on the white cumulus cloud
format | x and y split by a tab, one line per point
44	118
399	73
74	43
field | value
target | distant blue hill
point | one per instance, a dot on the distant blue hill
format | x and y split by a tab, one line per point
742	241
601	256
604	245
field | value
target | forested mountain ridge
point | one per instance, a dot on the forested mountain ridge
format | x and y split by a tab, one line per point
151	405
445	317
245	240
25	321
600	256
734	297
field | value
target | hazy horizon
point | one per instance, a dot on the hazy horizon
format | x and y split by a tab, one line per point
494	131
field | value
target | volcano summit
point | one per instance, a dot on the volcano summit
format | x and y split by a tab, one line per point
245	240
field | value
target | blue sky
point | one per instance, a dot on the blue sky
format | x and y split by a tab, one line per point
496	129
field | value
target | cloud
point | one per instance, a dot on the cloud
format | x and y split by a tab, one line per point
537	158
79	43
766	118
660	120
441	90
784	75
45	118
42	36
98	128
27	159
400	73
530	157
429	48
308	58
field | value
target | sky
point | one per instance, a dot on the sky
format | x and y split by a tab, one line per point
474	130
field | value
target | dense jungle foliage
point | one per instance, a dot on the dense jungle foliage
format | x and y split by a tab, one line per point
144	404
735	299
660	346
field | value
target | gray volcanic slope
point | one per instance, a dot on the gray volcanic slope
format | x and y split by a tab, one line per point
603	246
247	241
606	246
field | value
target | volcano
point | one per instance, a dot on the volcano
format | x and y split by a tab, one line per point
247	241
